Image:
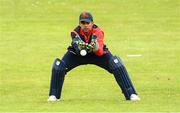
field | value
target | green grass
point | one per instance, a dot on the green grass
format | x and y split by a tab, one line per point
34	32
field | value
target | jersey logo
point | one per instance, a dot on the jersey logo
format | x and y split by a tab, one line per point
57	62
116	61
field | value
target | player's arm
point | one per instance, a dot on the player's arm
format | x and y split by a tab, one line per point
97	43
77	43
100	40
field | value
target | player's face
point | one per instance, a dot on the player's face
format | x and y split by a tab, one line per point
86	26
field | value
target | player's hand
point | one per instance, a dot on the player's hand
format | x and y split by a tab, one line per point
93	46
80	43
83	45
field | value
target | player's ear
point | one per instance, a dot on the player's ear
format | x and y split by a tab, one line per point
91	23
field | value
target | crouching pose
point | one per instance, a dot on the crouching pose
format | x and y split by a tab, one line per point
88	47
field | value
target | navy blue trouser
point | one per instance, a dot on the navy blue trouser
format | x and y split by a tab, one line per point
73	60
107	61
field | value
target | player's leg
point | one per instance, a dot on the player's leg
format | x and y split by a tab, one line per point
114	65
122	77
57	79
59	69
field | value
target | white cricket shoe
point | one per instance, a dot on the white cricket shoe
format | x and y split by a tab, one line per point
52	98
134	97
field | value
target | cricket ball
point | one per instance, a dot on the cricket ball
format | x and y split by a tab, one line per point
83	52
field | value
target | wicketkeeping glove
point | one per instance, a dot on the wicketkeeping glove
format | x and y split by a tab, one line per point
80	43
93	46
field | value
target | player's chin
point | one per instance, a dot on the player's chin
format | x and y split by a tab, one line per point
86	30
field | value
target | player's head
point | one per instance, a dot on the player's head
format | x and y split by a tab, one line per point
85	17
86	21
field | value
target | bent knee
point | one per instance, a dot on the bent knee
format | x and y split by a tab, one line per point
115	62
59	65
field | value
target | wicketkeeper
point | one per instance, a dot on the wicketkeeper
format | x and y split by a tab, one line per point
88	47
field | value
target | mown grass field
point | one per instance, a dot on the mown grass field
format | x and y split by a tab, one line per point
34	32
